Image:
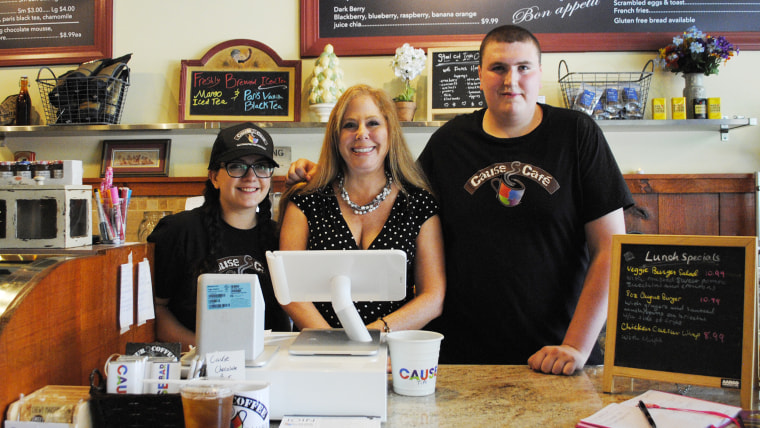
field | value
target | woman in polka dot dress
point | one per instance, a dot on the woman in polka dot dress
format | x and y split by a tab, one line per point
368	193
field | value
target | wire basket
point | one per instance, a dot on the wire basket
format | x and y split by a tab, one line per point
94	100
133	410
607	95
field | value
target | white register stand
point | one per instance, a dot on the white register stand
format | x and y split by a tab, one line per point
322	385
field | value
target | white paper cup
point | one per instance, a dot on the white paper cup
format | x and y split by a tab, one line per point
414	361
250	406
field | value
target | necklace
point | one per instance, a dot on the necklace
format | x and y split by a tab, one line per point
373	204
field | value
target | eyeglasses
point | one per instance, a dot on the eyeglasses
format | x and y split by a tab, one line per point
240	169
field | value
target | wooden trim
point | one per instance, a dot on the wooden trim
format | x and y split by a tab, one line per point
638	183
691	183
169	186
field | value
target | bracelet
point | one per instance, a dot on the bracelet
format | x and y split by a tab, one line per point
386	328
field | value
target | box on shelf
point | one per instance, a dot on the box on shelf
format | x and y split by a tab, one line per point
713	108
658	109
678	105
45	216
72	173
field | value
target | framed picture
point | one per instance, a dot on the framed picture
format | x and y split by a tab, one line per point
134	158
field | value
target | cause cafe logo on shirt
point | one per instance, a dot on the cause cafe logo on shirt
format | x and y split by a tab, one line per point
419	375
515	169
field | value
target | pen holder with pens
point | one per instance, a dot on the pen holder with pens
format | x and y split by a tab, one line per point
112	214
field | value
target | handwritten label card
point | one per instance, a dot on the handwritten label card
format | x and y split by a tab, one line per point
226	365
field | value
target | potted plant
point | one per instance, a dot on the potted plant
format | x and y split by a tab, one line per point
408	63
695	55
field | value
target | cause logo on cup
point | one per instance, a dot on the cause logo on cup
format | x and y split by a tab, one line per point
421	376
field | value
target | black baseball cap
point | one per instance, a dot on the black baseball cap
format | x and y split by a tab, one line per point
241	140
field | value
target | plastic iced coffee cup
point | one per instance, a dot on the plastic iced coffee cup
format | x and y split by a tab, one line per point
206	405
414	361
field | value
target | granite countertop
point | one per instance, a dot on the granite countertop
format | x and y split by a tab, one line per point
515	396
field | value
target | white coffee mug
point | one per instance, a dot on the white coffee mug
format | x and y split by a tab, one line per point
250	406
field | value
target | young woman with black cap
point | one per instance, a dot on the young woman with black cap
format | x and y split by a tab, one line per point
229	233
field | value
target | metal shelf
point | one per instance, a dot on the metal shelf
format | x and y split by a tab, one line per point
699	125
689	125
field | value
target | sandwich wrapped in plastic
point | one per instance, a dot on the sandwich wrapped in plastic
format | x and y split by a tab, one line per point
53	403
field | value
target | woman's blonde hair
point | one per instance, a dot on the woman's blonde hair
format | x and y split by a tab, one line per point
399	162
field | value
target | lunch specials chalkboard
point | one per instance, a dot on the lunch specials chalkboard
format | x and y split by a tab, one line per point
54	32
240	80
682	309
370	27
453	86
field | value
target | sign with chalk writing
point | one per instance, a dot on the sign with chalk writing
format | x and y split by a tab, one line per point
677	296
240	80
370	27
54	32
454	85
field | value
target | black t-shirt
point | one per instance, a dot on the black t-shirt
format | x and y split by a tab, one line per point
516	258
181	248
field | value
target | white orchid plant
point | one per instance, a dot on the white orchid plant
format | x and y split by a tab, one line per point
326	84
408	64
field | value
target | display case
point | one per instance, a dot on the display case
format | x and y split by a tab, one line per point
59	314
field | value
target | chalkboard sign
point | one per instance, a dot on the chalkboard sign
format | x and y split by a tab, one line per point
676	296
561	26
240	80
453	86
239	93
59	32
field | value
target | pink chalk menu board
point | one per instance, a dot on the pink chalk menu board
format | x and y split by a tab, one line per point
240	80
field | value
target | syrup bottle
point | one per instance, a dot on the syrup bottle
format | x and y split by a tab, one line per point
23	104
